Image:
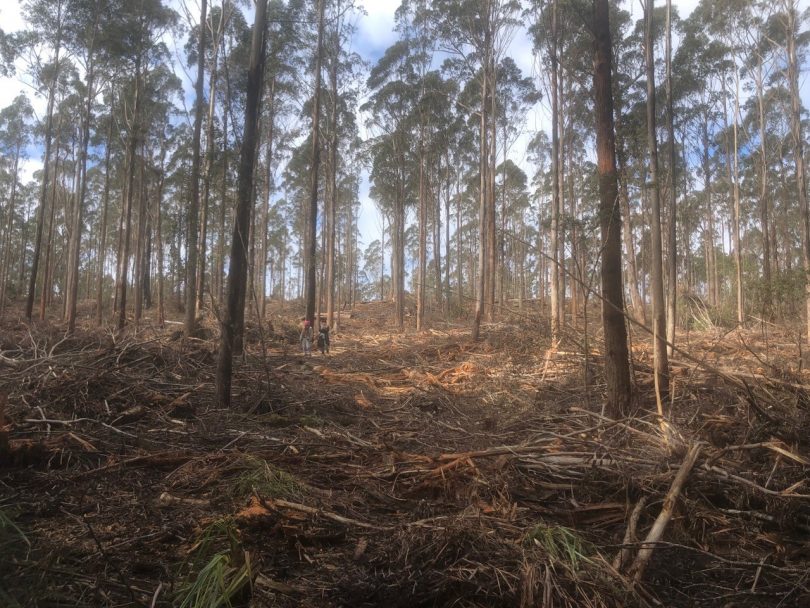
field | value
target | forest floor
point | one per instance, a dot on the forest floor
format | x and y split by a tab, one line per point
400	470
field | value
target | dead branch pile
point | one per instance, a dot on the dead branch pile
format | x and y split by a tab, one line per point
425	471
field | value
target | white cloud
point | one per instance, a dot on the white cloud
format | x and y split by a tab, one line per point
11	16
28	168
375	31
11	20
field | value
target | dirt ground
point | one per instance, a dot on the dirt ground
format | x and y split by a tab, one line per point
399	470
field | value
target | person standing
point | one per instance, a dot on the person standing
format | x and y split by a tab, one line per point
306	339
323	339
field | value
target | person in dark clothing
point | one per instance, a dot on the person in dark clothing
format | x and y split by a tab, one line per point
323	339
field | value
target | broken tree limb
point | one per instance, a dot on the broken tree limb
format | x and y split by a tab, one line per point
170	457
274	503
623	557
723	474
661	522
167	499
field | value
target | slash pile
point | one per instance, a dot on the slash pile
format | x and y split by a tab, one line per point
404	470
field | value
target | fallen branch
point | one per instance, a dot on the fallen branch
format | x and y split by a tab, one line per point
661	522
623	557
277	502
161	458
723	474
167	499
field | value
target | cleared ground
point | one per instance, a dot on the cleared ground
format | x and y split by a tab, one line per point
400	470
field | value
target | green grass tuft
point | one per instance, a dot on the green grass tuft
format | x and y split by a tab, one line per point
267	480
217	583
561	544
221	532
218	568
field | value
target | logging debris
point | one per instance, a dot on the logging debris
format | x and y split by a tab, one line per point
402	470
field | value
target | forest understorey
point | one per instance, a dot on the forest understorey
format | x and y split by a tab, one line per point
401	470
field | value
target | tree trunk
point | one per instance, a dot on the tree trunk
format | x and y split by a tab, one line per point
206	192
556	313
68	208
482	210
398	252
421	277
731	174
102	248
711	267
5	261
351	252
577	277
563	276
657	263
672	260
436	206
237	274
119	246
179	276
763	194
146	269
459	248
159	234
320	282
617	368
239	320
140	239
639	310
23	254
312	211
47	274
447	240
502	244
737	211
542	264
382	259
194	199
32	283
492	249
332	199
332	202
223	194
123	262
78	222
790	24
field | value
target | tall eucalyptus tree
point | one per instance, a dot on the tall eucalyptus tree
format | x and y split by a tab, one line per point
217	25
138	29
791	20
617	368
477	33
310	244
87	22
657	282
15	134
48	18
237	273
672	248
390	109
194	192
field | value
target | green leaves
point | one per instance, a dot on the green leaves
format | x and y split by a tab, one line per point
217	584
